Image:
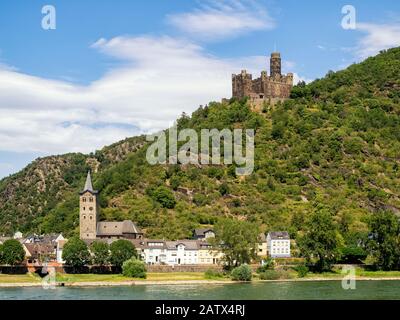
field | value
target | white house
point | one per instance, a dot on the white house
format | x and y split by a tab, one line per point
278	244
154	252
59	250
203	234
184	252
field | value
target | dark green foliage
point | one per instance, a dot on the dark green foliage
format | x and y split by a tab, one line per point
242	273
164	197
12	253
384	240
121	251
269	264
353	255
134	268
76	253
302	270
237	240
100	253
320	240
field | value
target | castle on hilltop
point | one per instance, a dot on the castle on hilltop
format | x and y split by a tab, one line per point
269	89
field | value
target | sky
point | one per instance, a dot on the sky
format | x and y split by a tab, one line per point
115	69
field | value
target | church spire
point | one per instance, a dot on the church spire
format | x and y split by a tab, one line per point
88	184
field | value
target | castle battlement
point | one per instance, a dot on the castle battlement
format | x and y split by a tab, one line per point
272	88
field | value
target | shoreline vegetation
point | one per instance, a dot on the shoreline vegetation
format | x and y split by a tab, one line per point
178	278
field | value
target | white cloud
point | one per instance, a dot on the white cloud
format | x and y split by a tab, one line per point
161	77
378	37
223	19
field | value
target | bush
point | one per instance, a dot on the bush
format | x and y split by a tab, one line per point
269	275
274	275
242	273
269	264
302	270
165	197
213	274
134	268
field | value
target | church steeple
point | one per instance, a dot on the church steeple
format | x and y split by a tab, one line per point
88	210
89	185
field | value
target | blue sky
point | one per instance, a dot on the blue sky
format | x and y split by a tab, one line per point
113	69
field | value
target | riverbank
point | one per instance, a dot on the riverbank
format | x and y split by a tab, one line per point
184	278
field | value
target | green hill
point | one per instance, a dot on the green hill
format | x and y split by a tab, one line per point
336	142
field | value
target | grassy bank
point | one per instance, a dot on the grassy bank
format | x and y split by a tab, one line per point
182	277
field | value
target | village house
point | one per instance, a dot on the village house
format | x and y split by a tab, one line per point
278	244
208	255
182	252
262	250
203	234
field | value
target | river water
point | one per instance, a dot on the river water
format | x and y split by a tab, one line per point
309	290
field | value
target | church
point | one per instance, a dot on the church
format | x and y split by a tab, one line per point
91	228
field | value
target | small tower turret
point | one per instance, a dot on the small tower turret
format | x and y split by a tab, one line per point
276	64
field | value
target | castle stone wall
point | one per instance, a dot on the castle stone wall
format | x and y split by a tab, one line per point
276	87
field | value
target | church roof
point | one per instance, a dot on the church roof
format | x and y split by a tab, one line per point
117	228
88	185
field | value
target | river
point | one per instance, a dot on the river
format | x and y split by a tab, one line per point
307	290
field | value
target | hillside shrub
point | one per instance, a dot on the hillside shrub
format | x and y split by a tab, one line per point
134	268
242	273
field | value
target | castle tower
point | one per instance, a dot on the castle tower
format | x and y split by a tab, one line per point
88	211
276	64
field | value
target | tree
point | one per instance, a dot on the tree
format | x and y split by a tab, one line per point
12	252
165	197
100	253
237	240
384	242
121	251
134	268
321	240
76	253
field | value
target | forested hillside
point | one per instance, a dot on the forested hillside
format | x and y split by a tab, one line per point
336	142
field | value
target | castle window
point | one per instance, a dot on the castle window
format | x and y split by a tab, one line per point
91	218
91	199
91	208
84	217
83	199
